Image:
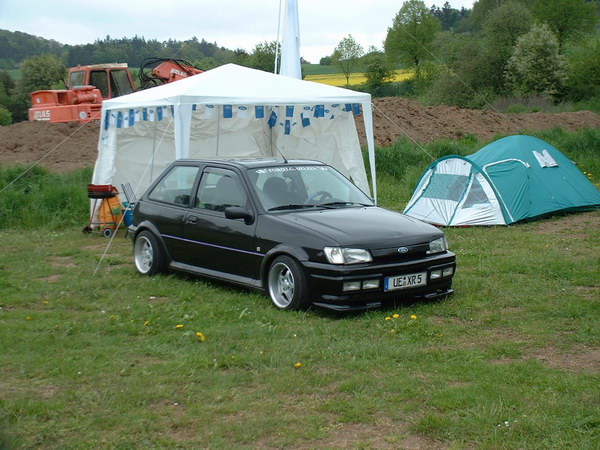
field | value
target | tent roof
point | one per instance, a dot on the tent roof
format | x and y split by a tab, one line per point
518	146
233	84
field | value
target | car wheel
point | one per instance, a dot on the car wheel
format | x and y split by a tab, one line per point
147	254
287	283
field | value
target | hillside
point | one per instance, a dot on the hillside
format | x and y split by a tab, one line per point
65	147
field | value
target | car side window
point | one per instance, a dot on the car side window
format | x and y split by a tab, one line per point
176	186
220	189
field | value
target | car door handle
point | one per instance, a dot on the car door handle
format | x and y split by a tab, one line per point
192	219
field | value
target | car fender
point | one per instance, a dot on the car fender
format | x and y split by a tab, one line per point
281	249
149	226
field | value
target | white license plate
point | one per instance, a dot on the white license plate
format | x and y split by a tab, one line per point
405	281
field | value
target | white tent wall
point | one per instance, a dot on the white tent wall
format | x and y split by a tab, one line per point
215	114
464	198
484	210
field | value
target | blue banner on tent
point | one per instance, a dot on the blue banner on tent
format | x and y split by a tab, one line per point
227	111
305	120
259	112
272	119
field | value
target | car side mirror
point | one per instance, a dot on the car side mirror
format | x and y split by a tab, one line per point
237	212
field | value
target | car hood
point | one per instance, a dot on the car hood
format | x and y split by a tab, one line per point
372	227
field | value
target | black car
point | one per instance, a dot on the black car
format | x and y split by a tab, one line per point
298	230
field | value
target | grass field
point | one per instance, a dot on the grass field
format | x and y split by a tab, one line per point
94	355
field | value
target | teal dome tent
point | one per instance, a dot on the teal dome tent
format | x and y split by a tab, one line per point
512	179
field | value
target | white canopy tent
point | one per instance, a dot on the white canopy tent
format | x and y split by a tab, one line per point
232	112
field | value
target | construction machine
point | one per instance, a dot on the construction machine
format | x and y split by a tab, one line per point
88	86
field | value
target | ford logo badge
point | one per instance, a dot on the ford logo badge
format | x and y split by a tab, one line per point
403	250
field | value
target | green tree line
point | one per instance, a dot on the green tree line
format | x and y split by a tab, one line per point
43	63
547	50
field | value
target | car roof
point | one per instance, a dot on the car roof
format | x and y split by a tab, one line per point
249	163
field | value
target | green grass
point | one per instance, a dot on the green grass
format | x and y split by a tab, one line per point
92	356
318	69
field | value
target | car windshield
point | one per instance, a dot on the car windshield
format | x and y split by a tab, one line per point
305	186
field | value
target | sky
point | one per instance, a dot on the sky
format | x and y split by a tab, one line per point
229	23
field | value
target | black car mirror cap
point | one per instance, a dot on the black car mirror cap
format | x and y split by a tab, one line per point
237	212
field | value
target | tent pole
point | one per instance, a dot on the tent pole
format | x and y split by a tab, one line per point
219	112
153	154
368	123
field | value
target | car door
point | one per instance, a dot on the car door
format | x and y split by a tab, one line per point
168	204
217	243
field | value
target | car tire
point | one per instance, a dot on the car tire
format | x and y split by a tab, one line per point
286	283
148	254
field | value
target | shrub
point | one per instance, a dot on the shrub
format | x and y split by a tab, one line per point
5	117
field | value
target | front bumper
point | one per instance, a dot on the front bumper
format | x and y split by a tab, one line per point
326	282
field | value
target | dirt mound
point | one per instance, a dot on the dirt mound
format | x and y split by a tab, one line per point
395	117
64	147
61	147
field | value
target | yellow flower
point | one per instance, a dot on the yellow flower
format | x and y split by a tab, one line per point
45	302
413	317
388	318
27	318
201	337
179	326
146	323
297	365
395	316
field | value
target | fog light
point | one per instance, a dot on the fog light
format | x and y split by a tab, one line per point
351	286
435	274
448	271
370	284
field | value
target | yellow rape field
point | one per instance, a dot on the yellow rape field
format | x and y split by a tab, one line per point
338	79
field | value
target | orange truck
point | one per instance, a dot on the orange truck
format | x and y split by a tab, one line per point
88	86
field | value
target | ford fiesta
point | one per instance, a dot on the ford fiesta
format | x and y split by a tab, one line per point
297	230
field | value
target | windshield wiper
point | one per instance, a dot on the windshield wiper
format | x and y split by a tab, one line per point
330	204
292	206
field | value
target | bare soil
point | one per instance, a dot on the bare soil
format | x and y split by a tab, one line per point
65	147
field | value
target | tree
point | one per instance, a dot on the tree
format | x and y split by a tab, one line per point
482	8
448	16
325	61
5	116
377	73
410	38
569	19
584	74
37	73
536	65
41	72
263	56
501	30
346	55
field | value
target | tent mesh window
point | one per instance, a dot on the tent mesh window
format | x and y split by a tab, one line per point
446	187
476	196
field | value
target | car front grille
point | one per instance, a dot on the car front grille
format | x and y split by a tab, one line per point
400	253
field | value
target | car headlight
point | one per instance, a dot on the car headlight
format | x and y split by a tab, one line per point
339	255
438	245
